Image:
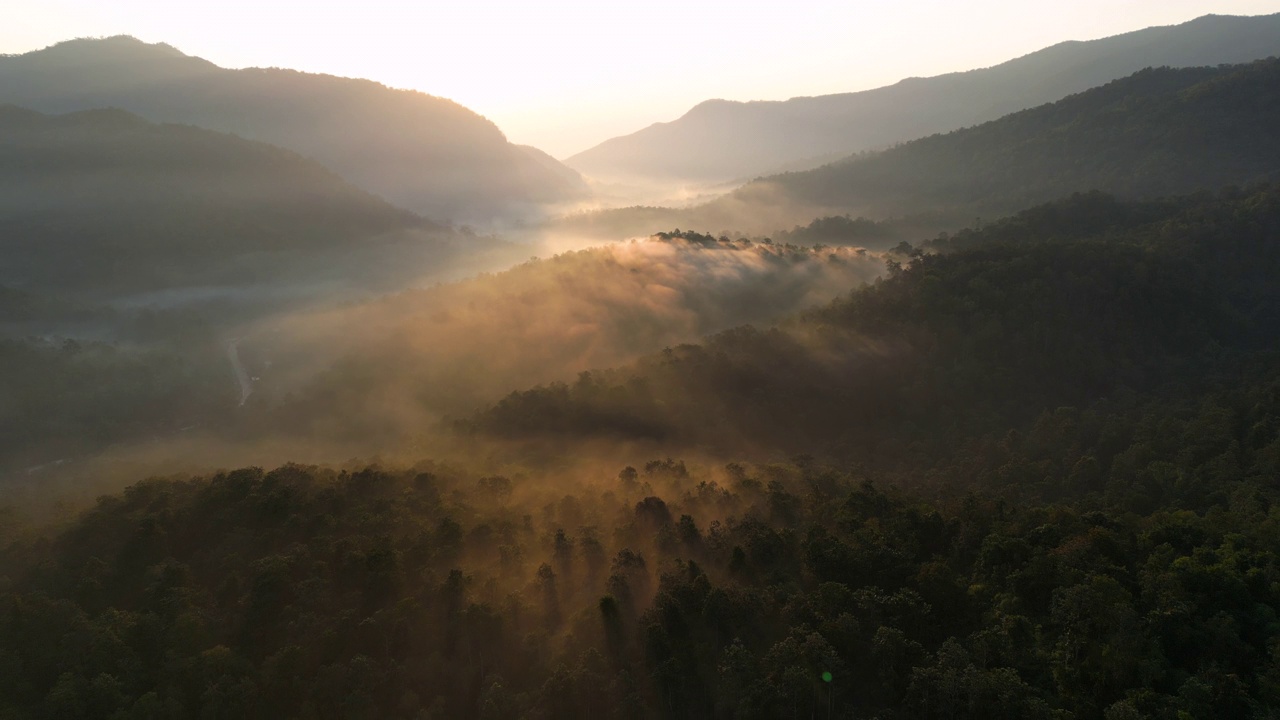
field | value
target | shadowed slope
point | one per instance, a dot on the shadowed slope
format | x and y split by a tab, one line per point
720	140
419	151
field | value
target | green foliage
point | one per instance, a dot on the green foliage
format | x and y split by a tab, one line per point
1091	304
305	592
1039	482
841	230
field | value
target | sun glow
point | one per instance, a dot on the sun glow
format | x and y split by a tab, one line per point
566	75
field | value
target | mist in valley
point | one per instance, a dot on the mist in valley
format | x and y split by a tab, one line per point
293	372
955	398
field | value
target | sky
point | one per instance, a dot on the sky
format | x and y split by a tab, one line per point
564	76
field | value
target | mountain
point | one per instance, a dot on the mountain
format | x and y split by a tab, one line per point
1157	132
1069	304
421	152
1061	503
105	199
458	346
721	140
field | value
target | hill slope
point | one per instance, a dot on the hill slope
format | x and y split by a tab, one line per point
1068	304
106	199
1113	559
721	140
455	347
422	152
1157	132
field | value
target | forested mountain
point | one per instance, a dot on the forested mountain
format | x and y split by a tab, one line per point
103	199
424	153
1068	304
376	374
721	140
1157	132
386	369
1026	469
1043	488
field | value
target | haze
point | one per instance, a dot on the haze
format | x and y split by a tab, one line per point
564	76
941	386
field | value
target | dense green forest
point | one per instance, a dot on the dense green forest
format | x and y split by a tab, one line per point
780	590
842	230
1158	132
1086	300
1028	473
984	424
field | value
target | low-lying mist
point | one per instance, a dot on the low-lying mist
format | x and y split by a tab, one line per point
389	366
339	377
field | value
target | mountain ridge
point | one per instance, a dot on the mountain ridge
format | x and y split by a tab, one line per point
104	197
761	134
1156	132
426	153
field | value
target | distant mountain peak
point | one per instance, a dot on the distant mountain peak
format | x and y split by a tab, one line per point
423	152
115	47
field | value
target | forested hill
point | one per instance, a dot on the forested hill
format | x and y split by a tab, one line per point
1158	132
721	141
1083	302
421	152
103	198
1107	559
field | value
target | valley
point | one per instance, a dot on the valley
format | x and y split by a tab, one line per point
956	398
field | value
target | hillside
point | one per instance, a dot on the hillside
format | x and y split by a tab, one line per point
104	199
369	375
386	369
1081	302
1058	501
983	425
1157	132
424	153
721	140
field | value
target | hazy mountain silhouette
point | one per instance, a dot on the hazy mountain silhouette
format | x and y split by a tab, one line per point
1157	132
425	153
721	140
1062	304
103	198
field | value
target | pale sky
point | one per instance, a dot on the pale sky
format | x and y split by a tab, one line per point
564	76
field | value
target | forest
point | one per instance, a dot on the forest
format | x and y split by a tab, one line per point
365	375
324	399
1158	132
1086	300
941	498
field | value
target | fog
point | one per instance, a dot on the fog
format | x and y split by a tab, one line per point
411	358
423	153
337	370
